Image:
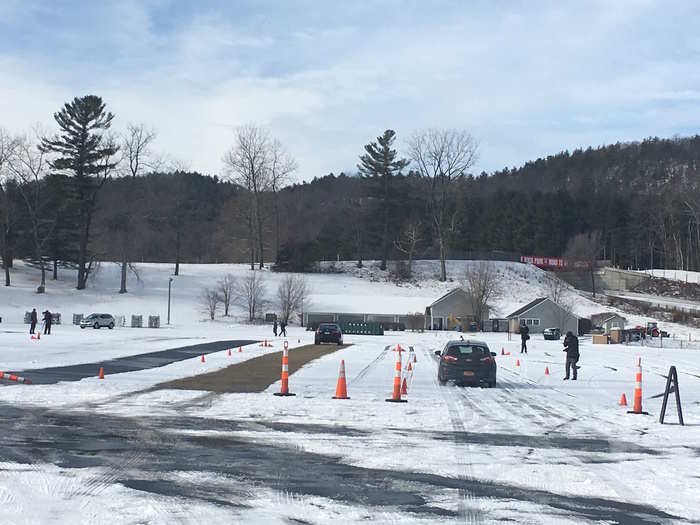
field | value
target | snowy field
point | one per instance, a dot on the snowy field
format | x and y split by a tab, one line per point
534	450
676	275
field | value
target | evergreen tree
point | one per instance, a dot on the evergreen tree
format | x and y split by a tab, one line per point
87	153
380	164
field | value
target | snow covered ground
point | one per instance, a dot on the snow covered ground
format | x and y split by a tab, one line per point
676	275
534	450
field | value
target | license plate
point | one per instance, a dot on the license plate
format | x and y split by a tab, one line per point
468	373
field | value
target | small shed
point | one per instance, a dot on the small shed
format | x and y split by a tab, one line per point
607	321
543	313
450	311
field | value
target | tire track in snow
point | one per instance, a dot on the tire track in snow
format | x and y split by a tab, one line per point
469	506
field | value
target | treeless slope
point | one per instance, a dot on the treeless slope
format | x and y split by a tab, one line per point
253	375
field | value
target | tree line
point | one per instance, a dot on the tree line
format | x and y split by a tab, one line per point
87	194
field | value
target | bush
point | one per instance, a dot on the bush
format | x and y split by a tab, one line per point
296	257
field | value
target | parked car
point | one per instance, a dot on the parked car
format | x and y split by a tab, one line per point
98	321
551	334
328	333
467	362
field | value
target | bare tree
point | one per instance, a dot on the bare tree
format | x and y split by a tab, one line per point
582	251
251	293
291	294
441	158
7	215
28	165
281	167
248	163
227	288
407	241
137	157
560	293
209	301
482	284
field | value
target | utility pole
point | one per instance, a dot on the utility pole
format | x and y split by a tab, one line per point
170	282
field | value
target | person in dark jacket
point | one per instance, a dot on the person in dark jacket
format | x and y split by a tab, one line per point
274	327
33	319
283	328
572	354
47	322
524	336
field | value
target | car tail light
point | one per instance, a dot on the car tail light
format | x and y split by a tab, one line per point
449	358
487	360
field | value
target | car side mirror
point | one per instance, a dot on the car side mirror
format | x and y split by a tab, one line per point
437	352
493	354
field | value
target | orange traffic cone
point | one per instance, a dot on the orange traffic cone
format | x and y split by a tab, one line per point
398	348
229	352
102	373
38	335
409	368
284	390
203	360
623	400
637	408
240	349
546	370
517	363
503	351
396	394
404	387
341	389
414	357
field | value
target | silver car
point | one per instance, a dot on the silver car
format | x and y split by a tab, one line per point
98	321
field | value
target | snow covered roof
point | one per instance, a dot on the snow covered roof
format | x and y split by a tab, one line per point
527	307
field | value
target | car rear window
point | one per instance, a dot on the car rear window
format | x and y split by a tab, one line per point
466	350
326	326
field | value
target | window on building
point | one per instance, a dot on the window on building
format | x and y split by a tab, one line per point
528	322
536	322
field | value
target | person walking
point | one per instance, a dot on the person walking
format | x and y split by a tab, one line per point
274	327
572	354
47	322
33	319
283	328
524	336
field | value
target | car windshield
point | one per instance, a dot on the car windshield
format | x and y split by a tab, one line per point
466	350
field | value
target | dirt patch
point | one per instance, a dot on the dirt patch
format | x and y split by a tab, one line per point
253	375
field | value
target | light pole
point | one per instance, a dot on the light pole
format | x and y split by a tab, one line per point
170	282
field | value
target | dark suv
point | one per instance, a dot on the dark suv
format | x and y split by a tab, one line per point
467	362
328	333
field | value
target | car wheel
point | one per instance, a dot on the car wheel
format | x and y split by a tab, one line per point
442	381
317	342
110	325
492	384
82	327
96	326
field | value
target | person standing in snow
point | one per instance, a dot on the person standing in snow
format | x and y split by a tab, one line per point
283	328
572	354
33	319
524	336
47	322
274	327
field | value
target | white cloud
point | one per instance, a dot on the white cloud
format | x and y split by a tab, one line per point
526	81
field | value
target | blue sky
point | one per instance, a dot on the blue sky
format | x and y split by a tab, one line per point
527	79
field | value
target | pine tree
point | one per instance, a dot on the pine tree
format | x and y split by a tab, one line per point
380	164
87	153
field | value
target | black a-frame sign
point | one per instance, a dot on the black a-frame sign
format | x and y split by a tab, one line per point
672	378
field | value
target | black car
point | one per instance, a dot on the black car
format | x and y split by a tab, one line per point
328	333
467	362
551	334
